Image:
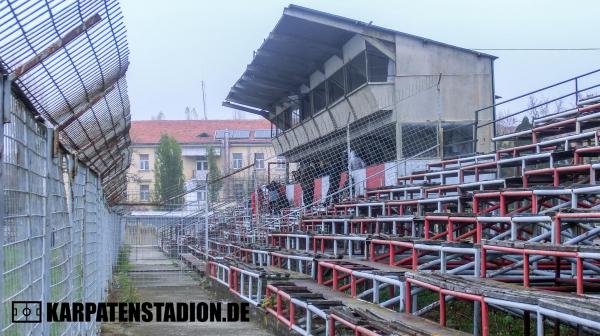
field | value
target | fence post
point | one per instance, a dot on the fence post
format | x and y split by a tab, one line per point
3	112
84	238
47	230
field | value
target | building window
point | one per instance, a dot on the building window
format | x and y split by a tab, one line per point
319	97
201	195
144	162
419	140
144	192
379	67
335	86
356	72
281	162
458	139
201	163
294	116
306	110
237	160
259	160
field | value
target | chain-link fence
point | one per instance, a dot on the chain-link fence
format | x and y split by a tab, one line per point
65	115
59	239
353	160
317	179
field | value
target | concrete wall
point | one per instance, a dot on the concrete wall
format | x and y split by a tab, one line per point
465	86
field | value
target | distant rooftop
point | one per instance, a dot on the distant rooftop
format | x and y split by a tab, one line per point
188	132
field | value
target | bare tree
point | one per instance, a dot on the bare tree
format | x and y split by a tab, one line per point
559	106
537	108
505	125
159	116
191	114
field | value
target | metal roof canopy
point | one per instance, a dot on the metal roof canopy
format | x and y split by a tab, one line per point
302	40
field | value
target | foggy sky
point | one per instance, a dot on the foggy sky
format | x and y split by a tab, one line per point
176	44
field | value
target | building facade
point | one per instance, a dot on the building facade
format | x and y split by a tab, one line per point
317	74
241	148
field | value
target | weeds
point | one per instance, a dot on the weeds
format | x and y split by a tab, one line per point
127	292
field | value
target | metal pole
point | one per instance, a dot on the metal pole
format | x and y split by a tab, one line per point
576	93
197	226
206	221
4	113
47	231
350	187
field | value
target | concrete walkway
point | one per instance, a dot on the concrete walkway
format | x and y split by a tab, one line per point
159	279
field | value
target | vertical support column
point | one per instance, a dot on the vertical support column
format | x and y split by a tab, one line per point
375	291
526	323
206	247
442	260
485	329
4	112
259	285
319	274
579	275
442	309
477	260
46	231
278	306
308	321
483	270
476	318
350	248
555	234
242	276
291	305
539	324
526	270
407	298
335	279
415	258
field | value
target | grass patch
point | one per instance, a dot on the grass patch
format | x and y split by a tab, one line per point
127	292
459	316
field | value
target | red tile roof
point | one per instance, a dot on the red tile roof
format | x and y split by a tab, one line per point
187	131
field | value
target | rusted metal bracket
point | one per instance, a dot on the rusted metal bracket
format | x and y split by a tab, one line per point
6	96
57	45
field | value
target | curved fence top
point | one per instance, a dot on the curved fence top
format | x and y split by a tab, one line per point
68	60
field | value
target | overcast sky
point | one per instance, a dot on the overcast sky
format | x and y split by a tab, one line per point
178	43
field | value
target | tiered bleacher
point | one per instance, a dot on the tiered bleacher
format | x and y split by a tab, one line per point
514	232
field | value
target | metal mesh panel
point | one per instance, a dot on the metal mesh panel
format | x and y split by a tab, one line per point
60	240
58	236
90	238
24	166
64	104
78	216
